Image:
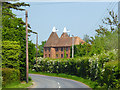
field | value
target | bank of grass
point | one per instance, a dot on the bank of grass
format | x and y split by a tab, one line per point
19	85
89	83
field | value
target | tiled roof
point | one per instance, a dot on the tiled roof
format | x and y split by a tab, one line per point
63	41
52	40
64	35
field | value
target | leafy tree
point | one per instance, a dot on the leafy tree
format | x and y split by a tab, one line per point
10	54
106	38
111	21
82	50
41	48
31	54
14	30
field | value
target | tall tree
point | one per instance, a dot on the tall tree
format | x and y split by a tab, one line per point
111	21
14	30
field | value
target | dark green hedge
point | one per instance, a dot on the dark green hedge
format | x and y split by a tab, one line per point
10	76
102	68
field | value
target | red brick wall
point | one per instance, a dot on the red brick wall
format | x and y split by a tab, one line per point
53	52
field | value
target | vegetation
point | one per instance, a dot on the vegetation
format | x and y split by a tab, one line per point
14	42
19	84
95	68
10	54
40	47
95	60
10	76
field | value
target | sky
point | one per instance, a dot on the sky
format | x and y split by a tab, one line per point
80	18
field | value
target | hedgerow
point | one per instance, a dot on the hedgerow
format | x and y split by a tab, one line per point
102	68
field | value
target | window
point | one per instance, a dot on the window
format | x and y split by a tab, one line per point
45	49
61	49
49	49
56	49
56	55
67	55
49	55
67	49
61	55
45	55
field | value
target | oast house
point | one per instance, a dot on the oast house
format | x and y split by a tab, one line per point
56	47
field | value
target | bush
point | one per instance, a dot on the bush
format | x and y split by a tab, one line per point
10	54
10	76
29	78
111	75
102	68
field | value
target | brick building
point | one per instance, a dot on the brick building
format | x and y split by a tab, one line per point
56	47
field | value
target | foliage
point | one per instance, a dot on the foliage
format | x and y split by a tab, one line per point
106	39
10	76
111	21
82	50
100	44
65	56
10	54
13	29
41	47
94	68
31	54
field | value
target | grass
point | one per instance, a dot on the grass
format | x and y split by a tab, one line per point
89	83
19	85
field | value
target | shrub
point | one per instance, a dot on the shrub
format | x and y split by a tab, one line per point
10	54
10	76
102	68
111	75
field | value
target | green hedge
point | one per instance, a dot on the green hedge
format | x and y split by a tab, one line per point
10	54
102	68
10	76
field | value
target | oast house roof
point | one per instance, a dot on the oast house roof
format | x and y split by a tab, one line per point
64	41
52	40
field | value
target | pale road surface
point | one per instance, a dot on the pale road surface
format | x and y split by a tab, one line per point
42	81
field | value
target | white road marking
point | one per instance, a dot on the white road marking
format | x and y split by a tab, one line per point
59	85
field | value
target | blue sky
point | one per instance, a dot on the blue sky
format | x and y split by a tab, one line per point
79	17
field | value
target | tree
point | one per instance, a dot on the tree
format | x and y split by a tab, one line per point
86	38
31	54
14	30
111	21
106	38
82	50
41	48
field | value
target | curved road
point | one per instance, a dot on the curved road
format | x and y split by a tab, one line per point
42	81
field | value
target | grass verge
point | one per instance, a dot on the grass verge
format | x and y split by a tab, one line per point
89	83
19	85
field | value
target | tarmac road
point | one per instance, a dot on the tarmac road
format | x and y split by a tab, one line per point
42	81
